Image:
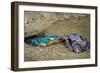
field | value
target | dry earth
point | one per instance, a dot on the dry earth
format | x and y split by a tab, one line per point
59	23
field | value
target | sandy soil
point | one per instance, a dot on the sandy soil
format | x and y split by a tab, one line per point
79	25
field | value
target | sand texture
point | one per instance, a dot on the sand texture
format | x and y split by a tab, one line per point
55	23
